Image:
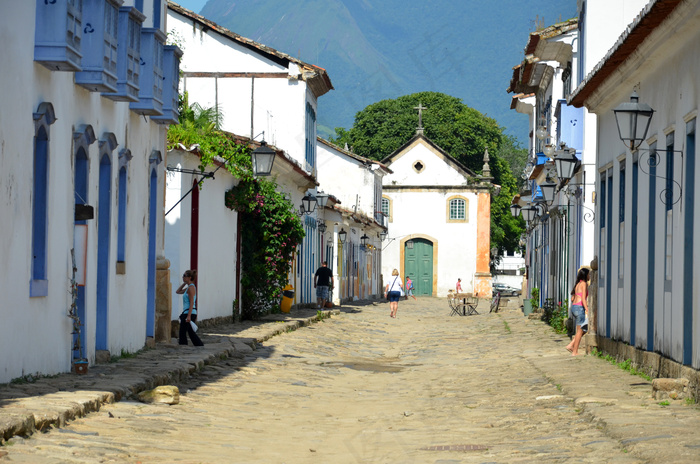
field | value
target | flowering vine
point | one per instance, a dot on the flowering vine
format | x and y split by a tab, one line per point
270	230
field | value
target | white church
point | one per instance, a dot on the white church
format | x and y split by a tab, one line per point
439	217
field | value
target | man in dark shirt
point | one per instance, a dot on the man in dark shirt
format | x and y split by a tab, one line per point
323	280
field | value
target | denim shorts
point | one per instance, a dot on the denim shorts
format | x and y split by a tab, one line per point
579	314
394	296
322	292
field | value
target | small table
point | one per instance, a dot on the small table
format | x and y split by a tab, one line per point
463	304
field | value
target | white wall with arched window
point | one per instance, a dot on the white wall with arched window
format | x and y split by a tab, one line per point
457	209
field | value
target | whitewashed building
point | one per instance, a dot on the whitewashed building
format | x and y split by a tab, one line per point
195	202
439	216
647	203
263	94
559	238
88	91
355	185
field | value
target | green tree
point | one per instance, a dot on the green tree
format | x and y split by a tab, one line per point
463	132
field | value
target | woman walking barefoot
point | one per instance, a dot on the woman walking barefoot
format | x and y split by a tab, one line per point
393	292
579	309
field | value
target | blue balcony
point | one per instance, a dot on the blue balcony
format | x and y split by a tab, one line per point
57	37
151	90
128	55
99	63
171	65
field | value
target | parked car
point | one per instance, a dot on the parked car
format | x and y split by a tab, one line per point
505	290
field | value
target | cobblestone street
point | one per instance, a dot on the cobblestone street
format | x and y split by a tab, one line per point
361	387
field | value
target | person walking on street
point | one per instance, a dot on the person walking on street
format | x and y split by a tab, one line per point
579	309
189	308
458	288
409	288
323	281
393	292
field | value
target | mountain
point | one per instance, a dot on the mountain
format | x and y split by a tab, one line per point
379	49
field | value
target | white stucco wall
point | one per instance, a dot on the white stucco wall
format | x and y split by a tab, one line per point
675	98
278	104
38	338
347	179
434	172
216	269
604	22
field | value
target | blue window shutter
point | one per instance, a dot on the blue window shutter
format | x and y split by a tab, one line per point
151	86
171	75
571	127
43	118
128	55
58	34
99	63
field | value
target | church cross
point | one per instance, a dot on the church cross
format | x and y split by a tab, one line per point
420	109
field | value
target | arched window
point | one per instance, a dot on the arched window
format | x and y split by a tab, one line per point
457	209
43	118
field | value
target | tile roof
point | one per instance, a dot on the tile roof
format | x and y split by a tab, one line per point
636	33
316	77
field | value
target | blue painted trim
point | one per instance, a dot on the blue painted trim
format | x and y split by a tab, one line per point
608	271
602	234
40	213
104	213
157	6
651	252
633	258
99	46
57	35
38	288
121	220
128	59
151	279
171	75
689	247
151	75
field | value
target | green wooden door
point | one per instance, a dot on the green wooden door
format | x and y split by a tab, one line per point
419	265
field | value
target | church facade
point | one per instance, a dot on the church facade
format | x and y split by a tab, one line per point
439	218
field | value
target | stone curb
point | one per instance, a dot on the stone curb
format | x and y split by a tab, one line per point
53	401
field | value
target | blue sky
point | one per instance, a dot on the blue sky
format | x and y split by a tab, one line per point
194	5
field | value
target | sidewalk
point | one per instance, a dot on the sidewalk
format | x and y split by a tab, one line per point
28	407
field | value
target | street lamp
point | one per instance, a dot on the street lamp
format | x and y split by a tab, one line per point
515	209
383	235
364	239
529	213
263	158
342	235
548	150
565	162
321	224
541	132
308	204
322	199
547	189
633	120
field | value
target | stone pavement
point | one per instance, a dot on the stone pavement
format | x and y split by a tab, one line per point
362	387
27	407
